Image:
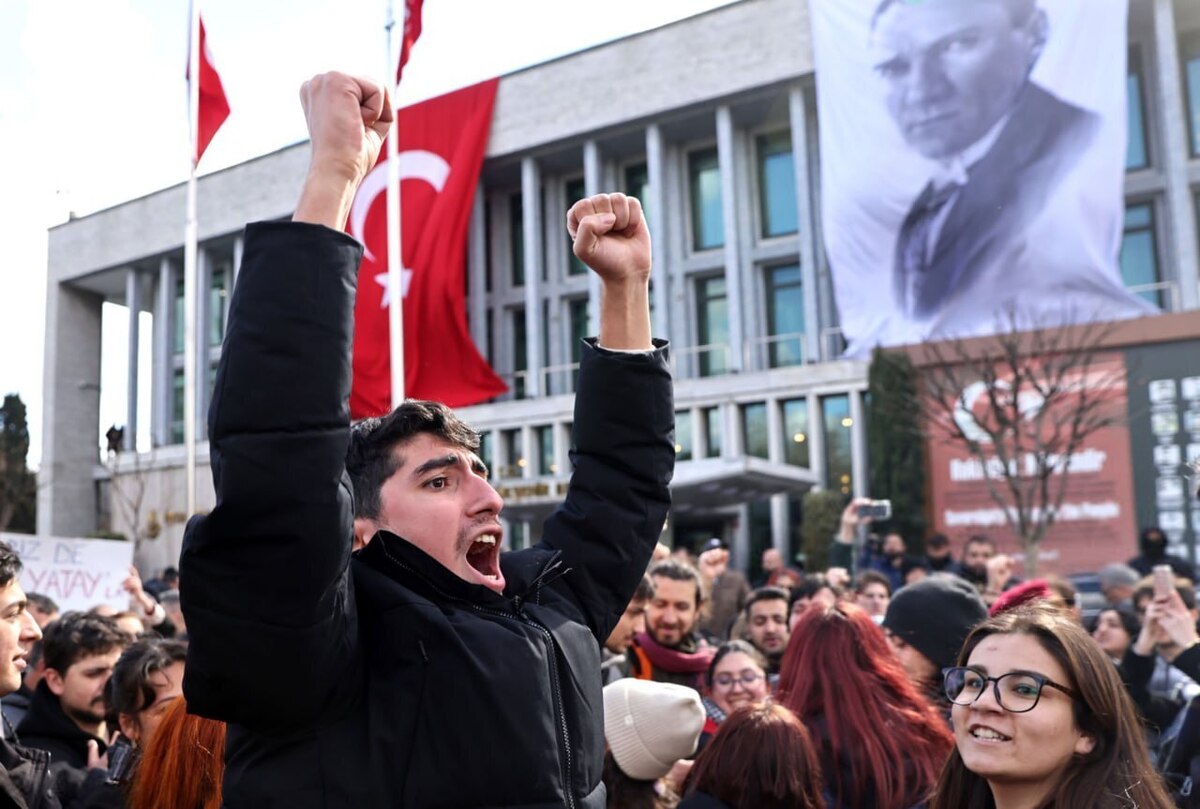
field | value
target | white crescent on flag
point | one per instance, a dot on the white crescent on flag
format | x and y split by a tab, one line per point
415	164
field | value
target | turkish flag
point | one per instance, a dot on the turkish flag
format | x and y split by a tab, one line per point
214	107
412	30
440	150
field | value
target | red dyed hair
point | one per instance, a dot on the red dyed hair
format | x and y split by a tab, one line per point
761	757
182	764
842	680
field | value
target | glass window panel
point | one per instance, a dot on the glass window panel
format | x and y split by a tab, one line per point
545	449
712	424
712	321
1193	92
795	432
177	406
835	412
575	191
179	324
487	451
520	356
516	228
708	225
777	184
1139	252
637	183
684	439
1135	153
218	302
785	316
754	430
514	457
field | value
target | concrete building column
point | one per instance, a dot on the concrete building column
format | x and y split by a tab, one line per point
859	474
807	222
656	207
477	272
531	230
816	439
71	413
781	529
1183	253
726	160
133	301
593	183
160	388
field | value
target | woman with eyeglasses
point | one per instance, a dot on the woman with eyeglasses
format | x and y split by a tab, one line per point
1042	720
737	676
881	744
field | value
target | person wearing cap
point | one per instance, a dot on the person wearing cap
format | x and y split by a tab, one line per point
728	590
926	624
648	728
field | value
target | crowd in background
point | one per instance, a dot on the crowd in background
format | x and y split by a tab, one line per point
895	679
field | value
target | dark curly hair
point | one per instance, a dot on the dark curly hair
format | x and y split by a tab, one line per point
77	635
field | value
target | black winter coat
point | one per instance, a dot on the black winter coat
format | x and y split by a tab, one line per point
25	781
384	680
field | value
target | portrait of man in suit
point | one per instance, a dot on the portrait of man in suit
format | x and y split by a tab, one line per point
956	78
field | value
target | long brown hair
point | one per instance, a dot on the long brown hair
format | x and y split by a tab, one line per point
1117	772
761	757
182	764
843	681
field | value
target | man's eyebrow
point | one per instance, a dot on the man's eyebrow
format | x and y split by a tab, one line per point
433	464
20	606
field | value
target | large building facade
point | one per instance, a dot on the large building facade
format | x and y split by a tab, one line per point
711	122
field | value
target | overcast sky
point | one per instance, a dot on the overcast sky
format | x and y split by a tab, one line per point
93	112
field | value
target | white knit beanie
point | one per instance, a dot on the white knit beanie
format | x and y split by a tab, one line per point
649	726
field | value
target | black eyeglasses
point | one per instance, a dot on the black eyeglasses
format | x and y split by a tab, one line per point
747	678
1015	692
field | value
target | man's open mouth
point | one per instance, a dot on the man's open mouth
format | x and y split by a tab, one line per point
484	556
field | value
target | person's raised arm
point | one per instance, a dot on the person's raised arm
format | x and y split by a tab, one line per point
611	237
347	119
265	575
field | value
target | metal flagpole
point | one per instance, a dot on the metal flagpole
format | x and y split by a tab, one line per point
189	264
395	289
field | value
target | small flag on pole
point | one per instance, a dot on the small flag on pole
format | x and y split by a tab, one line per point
412	30
214	106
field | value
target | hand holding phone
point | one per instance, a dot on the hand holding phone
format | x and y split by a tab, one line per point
1164	582
875	510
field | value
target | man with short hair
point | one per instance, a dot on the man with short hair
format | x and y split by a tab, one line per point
671	650
1117	584
957	79
42	608
24	774
767	624
67	713
426	668
872	592
977	550
939	558
614	657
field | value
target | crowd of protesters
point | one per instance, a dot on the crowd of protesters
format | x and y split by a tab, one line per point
394	656
901	680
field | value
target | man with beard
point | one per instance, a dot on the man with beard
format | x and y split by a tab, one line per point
767	624
1153	543
669	651
66	714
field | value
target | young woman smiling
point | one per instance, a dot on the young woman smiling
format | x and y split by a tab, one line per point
1042	721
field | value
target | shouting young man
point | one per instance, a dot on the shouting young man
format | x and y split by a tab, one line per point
426	669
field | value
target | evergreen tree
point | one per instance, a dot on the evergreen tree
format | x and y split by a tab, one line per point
896	445
18	486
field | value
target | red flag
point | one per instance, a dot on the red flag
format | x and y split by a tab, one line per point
412	30
441	148
214	107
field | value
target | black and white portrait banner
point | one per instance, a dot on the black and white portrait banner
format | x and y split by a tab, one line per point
972	159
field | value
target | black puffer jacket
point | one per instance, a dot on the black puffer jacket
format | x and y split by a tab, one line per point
25	781
385	680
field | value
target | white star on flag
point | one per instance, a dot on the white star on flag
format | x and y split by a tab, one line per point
383	278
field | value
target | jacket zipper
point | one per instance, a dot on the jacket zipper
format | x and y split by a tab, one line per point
555	684
555	687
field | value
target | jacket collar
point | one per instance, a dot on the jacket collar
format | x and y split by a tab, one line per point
400	560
